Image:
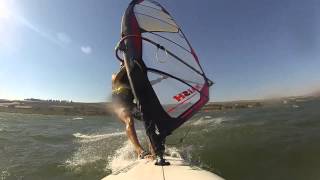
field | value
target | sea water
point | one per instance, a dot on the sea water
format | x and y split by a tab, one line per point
277	141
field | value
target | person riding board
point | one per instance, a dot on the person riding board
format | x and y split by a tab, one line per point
122	99
126	110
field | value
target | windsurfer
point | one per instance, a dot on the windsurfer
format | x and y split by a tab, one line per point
125	109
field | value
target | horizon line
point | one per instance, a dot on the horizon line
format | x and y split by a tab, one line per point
210	101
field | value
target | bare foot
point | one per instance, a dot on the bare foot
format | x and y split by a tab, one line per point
150	157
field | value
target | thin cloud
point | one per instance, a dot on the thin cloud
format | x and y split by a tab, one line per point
38	30
86	49
60	39
64	38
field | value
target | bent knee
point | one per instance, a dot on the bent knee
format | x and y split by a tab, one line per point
122	114
129	122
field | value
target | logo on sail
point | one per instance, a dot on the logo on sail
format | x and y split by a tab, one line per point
181	96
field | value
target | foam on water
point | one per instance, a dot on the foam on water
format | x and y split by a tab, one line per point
173	152
84	155
126	156
2	127
96	137
295	106
123	157
101	147
77	118
208	120
187	153
90	150
4	174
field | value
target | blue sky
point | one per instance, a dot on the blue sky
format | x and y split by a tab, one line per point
252	49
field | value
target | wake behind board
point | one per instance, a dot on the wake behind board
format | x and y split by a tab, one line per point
146	170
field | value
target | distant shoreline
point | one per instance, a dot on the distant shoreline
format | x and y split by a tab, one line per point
104	109
56	108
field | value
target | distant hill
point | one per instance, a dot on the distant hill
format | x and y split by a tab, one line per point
316	93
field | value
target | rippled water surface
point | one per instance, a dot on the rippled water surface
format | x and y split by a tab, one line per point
278	141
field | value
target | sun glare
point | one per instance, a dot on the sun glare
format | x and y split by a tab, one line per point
4	10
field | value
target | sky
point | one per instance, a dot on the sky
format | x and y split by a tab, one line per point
57	49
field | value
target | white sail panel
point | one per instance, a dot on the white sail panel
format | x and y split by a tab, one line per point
155	20
175	96
175	43
150	4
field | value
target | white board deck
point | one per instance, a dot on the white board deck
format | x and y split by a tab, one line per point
146	170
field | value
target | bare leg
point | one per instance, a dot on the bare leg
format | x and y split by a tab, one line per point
130	129
132	135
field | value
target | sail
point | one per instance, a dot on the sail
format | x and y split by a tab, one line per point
163	69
